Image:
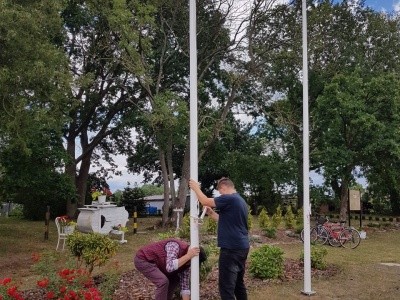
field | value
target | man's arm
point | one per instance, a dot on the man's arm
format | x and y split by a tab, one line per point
212	214
173	262
203	199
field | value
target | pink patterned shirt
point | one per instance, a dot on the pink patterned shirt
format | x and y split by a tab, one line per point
172	249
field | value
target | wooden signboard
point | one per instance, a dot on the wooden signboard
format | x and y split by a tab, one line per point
355	199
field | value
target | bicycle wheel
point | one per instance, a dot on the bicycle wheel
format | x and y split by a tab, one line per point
334	240
313	235
350	238
322	235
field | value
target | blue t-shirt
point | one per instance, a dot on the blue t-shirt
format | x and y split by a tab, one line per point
232	222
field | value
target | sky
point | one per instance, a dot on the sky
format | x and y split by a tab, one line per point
120	182
384	5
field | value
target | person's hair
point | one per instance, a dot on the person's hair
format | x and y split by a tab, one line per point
202	255
225	181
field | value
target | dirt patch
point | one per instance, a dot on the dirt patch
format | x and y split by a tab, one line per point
134	286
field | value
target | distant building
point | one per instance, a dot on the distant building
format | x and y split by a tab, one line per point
156	201
155	204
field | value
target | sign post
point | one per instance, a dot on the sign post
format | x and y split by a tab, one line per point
354	204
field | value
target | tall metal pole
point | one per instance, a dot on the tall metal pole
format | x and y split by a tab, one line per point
194	206
306	165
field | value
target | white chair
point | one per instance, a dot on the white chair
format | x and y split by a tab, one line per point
62	234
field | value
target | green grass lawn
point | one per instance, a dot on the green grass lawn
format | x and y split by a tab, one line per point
361	276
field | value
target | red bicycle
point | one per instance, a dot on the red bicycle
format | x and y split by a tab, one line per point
337	234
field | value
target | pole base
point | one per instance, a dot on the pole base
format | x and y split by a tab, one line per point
310	293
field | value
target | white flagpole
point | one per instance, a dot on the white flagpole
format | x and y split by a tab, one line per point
194	206
306	179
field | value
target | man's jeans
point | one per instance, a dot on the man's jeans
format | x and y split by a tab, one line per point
232	265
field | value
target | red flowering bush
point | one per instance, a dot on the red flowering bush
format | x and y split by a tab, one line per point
70	284
8	290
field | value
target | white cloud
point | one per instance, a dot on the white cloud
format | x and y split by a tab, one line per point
396	7
121	181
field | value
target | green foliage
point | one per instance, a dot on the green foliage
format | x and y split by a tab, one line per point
263	219
266	262
318	254
277	217
290	218
167	234
249	218
17	211
151	189
132	197
300	218
207	266
94	249
109	284
44	263
211	226
184	229
270	232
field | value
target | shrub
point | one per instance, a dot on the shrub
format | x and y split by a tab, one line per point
69	284
300	218
211	226
277	217
167	234
8	290
289	218
266	262
263	219
318	253
270	232
207	266
184	230
134	197
94	249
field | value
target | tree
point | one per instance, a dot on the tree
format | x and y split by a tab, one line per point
353	122
166	132
103	45
33	79
343	38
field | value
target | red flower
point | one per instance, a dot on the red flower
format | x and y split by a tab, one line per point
50	295
5	281
12	291
43	283
73	294
63	289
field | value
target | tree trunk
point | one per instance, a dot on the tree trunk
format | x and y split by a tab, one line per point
395	201
344	200
166	188
171	174
70	171
184	181
81	182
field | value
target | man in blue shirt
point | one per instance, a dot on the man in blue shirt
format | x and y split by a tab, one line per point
232	236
